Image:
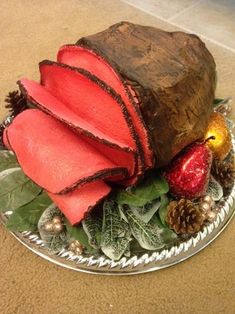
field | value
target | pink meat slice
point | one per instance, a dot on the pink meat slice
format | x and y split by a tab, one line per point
82	57
43	99
89	99
76	204
55	157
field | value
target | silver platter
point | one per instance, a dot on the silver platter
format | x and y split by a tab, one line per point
144	261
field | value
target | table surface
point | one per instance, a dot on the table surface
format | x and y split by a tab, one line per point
30	32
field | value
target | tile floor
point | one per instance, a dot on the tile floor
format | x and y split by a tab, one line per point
213	20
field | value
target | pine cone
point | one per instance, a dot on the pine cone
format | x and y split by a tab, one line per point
15	102
223	172
185	217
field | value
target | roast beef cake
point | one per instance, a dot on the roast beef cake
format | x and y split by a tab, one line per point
173	75
113	106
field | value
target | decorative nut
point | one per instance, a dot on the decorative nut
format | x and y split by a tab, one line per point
208	199
58	227
211	216
48	226
205	206
56	219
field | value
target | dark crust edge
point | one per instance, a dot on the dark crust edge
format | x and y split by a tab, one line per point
102	174
82	43
113	94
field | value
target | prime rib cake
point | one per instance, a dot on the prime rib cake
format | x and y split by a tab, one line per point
172	75
113	106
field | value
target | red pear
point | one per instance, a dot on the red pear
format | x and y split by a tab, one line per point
188	174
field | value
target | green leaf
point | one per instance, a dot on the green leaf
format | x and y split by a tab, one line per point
116	235
25	218
7	160
54	242
77	233
163	209
16	189
214	189
146	212
148	235
92	227
167	235
150	189
218	101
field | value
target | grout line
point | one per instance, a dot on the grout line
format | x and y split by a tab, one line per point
195	4
181	27
143	10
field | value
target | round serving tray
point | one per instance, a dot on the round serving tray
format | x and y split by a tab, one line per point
145	261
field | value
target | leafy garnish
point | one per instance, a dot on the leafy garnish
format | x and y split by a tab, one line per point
116	235
25	218
148	235
150	189
218	101
92	227
214	189
167	235
163	209
54	242
16	189
77	233
7	160
146	212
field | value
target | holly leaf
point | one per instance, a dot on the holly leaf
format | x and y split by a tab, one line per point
116	235
7	160
25	218
148	235
146	212
16	189
163	209
150	189
54	242
92	227
77	233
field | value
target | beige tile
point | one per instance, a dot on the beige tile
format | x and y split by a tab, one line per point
161	8
214	19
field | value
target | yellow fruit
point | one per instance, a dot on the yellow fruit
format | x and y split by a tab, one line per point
218	137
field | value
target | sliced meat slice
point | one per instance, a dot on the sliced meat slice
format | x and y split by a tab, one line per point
82	57
90	99
55	157
43	99
76	204
121	158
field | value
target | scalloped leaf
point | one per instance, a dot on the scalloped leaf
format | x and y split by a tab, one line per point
148	235
116	235
163	209
16	189
92	227
166	233
25	218
214	189
146	212
148	190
